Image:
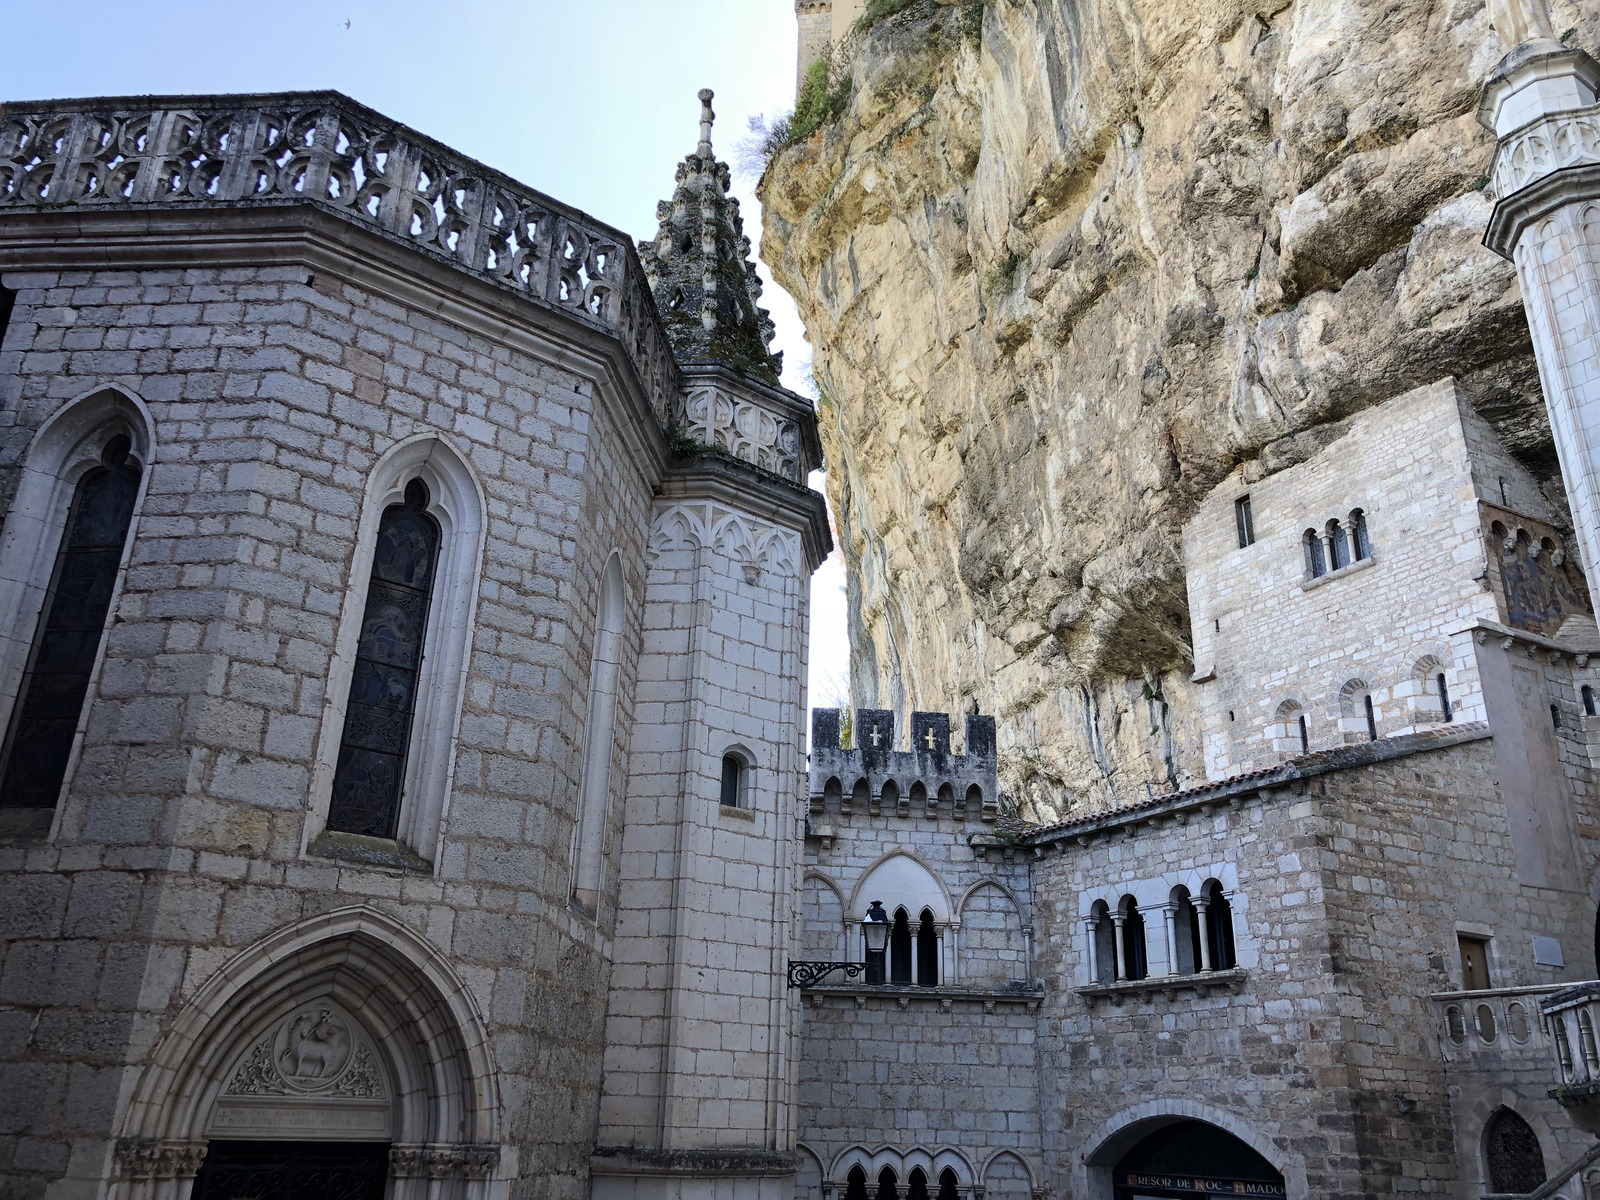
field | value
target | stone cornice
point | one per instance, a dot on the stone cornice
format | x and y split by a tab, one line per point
1231	793
304	235
756	493
1539	168
730	1161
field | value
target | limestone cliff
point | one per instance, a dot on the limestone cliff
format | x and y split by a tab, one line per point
1065	263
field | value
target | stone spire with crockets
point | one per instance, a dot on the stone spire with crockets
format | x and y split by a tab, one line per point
700	269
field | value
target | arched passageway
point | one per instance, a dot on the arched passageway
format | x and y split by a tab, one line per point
1192	1158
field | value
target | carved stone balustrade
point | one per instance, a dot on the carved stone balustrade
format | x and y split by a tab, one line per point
760	425
1572	1015
1499	1026
323	149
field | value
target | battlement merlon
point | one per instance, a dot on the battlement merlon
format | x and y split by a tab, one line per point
926	780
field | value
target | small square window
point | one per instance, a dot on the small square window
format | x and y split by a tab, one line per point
1245	522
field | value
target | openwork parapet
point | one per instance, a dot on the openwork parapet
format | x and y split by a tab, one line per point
324	149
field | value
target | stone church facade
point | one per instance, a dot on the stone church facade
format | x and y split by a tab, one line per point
405	791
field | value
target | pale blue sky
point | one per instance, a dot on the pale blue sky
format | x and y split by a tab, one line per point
593	102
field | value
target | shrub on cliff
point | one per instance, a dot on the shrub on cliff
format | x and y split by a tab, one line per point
822	100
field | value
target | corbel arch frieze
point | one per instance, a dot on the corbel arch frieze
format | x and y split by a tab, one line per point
742	539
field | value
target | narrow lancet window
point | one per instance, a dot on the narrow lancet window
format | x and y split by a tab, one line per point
1360	546
56	681
377	725
1372	719
1305	736
732	781
900	948
1444	698
927	951
1245	521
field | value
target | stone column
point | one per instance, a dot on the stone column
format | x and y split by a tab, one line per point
1091	926
943	944
1201	903
1027	951
1122	964
1541	102
955	953
1169	916
853	945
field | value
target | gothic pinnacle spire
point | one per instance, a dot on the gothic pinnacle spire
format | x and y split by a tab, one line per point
707	118
700	270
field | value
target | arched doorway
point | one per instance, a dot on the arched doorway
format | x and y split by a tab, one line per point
339	1059
1188	1159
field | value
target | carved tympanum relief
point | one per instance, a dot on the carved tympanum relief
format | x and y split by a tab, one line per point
313	1074
315	1052
744	429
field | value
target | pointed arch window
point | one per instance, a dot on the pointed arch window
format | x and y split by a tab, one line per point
371	769
1515	1161
855	1187
887	1185
917	1185
605	669
55	682
949	1185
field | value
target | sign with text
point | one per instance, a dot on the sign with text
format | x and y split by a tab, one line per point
1201	1186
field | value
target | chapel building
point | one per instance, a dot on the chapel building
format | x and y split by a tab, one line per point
403	595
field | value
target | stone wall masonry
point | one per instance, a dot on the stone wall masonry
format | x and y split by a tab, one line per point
919	1073
1266	637
697	1045
180	839
1350	886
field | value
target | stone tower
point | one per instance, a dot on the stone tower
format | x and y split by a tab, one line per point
1541	103
697	1083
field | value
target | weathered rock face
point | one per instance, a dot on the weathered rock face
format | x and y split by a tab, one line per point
1065	263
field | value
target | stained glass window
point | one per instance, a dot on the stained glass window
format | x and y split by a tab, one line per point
50	700
383	690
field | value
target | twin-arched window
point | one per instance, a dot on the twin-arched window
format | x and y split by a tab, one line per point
914	949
